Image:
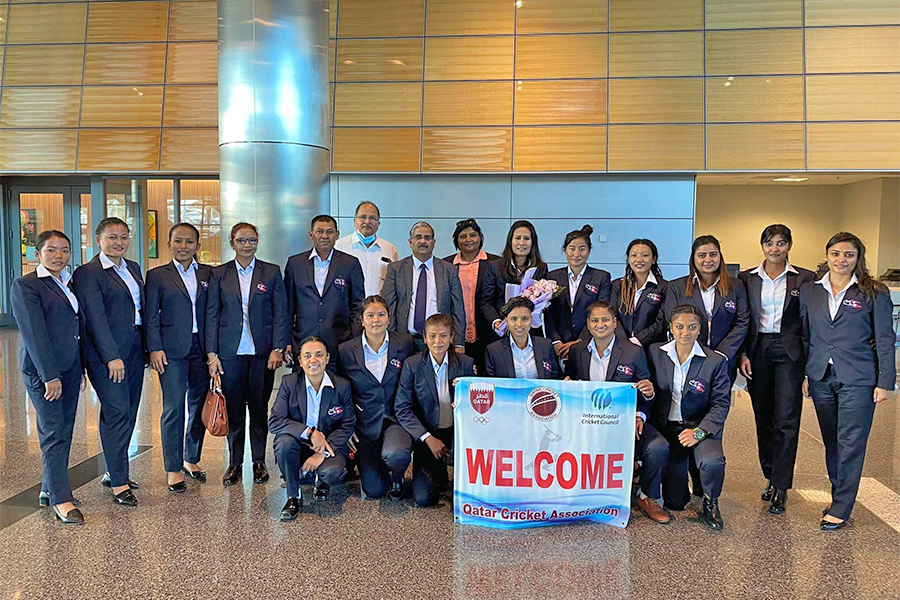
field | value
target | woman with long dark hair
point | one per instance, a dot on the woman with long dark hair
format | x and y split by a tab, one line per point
639	296
841	314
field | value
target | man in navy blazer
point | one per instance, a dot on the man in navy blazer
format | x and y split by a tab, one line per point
324	289
499	358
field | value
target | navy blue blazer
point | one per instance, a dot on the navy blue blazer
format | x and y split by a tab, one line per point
108	309
627	364
374	400
705	397
51	332
225	314
336	417
565	322
499	358
169	312
847	338
333	316
730	318
482	327
648	321
791	328
417	407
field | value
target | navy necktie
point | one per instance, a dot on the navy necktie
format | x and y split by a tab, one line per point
421	300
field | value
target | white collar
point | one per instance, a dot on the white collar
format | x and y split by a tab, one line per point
761	270
651	278
434	364
712	287
572	275
384	344
107	263
429	264
669	348
313	255
592	347
326	382
515	346
178	267
249	268
42	271
826	282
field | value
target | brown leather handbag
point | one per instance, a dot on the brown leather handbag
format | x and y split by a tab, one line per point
214	414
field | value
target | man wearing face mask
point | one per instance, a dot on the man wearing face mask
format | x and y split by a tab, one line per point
373	253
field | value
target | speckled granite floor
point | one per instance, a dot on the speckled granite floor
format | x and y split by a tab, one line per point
216	543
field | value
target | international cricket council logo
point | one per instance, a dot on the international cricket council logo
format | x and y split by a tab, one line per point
543	404
601	400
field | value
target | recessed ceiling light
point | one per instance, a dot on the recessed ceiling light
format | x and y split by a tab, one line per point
791	179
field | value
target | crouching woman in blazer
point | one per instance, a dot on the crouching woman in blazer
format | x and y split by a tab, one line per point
841	313
51	328
693	396
518	354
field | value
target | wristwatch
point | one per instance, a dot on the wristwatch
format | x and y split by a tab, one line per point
699	434
312	430
279	350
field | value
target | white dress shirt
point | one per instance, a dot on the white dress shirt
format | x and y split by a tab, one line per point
371	259
574	282
771	298
431	307
523	359
126	276
681	371
441	372
189	277
246	347
651	278
708	295
66	277
376	360
600	360
314	402
320	269
834	302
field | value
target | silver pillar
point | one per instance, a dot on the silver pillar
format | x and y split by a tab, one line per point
274	142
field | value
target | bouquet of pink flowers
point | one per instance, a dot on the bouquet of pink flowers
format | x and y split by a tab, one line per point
540	292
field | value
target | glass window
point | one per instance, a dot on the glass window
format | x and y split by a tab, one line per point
200	208
160	219
37	213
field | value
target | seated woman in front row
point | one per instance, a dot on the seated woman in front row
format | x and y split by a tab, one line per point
517	354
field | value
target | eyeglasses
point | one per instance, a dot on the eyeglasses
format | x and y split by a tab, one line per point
466	223
246	241
365	218
420	238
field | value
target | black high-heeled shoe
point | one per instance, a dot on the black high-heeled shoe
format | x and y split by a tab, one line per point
178	488
195	475
74	516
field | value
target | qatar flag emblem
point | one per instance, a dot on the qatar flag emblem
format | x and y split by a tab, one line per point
481	395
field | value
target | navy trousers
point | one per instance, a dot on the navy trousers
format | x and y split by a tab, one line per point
430	473
385	460
845	415
119	404
653	449
672	468
187	377
247	386
55	424
290	455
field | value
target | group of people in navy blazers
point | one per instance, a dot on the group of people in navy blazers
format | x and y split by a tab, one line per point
376	343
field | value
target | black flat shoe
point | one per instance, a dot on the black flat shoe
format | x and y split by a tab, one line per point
711	517
779	499
768	492
74	517
291	509
260	474
829	526
44	500
396	492
232	475
125	498
195	475
320	492
178	488
107	482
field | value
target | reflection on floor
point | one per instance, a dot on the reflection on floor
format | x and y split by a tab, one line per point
221	543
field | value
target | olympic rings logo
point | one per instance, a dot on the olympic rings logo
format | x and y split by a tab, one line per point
482	420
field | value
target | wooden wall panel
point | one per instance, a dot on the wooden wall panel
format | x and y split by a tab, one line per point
560	149
471	17
332	18
37	149
376	149
578	102
190	150
852	97
193	20
655	15
43	65
125	63
467	149
380	60
754	52
193	63
377	18
45	107
656	54
745	147
740	14
656	101
561	16
839	146
469	58
378	104
853	50
746	99
128	22
46	23
118	150
560	56
191	106
655	147
468	103
852	12
119	106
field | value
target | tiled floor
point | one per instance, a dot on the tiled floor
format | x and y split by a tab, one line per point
221	543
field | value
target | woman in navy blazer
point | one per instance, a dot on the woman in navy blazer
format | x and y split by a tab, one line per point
372	363
111	291
841	314
567	315
521	255
512	355
50	357
176	316
721	300
640	295
247	330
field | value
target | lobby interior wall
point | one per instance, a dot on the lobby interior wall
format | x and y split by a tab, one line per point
619	208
